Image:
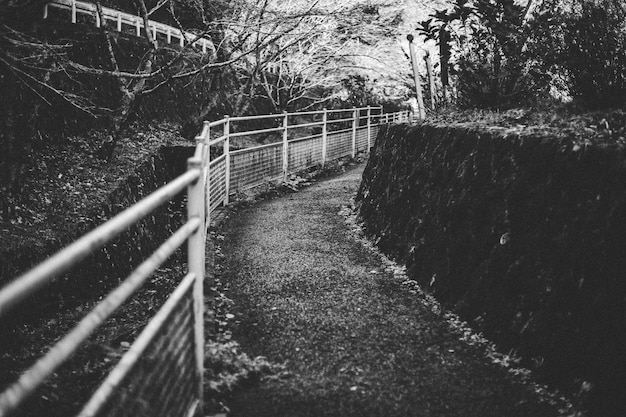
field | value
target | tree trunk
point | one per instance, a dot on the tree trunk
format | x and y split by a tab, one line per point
131	94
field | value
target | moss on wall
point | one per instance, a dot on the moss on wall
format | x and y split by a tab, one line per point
523	235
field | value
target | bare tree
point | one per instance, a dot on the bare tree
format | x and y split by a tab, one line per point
240	33
286	54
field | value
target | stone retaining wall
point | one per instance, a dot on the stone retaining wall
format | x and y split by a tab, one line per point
523	235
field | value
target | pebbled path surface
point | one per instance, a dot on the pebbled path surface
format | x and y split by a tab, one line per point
354	341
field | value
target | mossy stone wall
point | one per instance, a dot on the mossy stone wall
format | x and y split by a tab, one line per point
523	235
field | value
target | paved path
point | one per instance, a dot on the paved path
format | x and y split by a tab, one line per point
355	343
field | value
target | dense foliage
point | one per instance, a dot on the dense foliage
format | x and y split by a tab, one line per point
594	52
489	41
507	53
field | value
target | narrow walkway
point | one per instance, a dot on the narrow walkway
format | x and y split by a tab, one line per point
353	339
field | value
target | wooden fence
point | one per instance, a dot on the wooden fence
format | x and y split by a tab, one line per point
161	373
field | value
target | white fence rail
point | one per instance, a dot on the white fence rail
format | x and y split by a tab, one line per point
124	20
306	139
161	374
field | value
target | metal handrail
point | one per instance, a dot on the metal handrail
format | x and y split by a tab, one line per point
218	160
256	117
303	125
197	180
341	110
121	18
64	348
348	119
253	148
131	357
256	132
218	140
43	273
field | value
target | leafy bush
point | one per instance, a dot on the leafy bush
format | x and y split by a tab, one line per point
578	47
489	41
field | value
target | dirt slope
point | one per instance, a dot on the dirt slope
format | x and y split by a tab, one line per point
353	339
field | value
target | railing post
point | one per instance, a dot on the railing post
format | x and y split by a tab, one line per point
138	27
324	136
355	121
98	22
203	177
169	35
196	265
207	173
227	158
73	11
369	128
45	11
285	145
119	22
182	39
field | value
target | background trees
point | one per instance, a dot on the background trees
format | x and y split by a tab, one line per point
586	42
489	42
508	53
264	56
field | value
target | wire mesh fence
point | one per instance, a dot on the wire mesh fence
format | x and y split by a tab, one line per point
217	183
163	380
361	138
304	153
344	132
161	374
255	166
339	144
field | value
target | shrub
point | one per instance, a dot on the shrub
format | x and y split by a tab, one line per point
490	40
594	52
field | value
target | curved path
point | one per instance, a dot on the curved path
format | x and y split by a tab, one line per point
354	340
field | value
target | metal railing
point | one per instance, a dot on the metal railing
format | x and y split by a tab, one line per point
123	19
161	373
303	140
